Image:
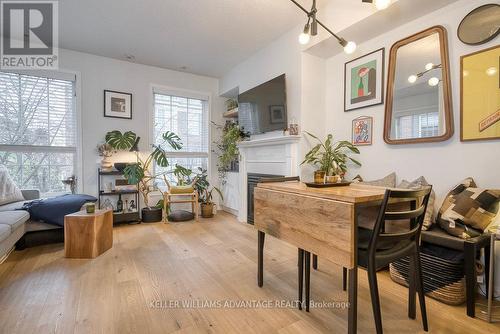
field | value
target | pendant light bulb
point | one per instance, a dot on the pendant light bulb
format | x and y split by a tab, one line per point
382	4
350	47
305	37
433	81
412	78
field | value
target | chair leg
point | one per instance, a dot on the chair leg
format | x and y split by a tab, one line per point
344	279
372	280
420	288
411	288
308	278
260	256
470	277
315	262
301	276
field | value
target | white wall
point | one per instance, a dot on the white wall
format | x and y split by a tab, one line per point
99	73
443	164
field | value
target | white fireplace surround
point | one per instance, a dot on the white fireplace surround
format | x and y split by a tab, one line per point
277	155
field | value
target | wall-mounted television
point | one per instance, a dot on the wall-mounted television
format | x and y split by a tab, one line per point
263	108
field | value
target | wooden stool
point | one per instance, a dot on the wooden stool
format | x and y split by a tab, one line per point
187	194
88	235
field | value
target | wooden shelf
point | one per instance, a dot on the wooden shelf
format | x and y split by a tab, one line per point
122	192
111	172
233	113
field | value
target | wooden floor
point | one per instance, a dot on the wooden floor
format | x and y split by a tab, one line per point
128	289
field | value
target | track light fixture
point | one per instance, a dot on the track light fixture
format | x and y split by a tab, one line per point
311	29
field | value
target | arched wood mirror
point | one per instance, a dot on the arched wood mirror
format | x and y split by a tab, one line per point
418	107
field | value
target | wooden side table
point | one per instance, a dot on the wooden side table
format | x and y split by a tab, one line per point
88	235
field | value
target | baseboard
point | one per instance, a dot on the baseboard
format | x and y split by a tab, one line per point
229	210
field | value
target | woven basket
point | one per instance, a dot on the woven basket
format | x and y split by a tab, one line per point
442	272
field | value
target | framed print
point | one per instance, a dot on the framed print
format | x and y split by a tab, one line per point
117	104
362	130
277	114
480	95
364	81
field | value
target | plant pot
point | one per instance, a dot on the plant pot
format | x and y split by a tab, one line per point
106	165
333	179
207	210
319	176
151	215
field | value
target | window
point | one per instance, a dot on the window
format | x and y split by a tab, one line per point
417	126
38	130
188	118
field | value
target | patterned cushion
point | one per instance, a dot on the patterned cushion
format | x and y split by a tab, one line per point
467	210
178	190
420	183
389	181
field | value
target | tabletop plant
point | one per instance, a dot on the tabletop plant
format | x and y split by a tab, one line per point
331	157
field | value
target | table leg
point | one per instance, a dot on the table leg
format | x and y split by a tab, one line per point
353	300
307	264
315	262
301	276
260	266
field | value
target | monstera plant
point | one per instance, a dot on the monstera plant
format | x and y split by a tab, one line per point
141	173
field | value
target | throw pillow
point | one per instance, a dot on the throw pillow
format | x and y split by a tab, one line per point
467	210
9	192
389	181
420	183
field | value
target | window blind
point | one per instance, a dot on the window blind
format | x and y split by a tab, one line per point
188	118
37	130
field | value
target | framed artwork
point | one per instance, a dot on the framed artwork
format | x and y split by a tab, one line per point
277	114
117	104
480	95
362	131
364	81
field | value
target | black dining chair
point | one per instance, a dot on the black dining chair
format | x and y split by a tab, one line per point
378	248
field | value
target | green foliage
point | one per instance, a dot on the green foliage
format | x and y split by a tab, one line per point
120	141
207	197
227	147
134	173
331	157
141	172
183	175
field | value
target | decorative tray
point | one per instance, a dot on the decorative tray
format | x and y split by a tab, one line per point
327	185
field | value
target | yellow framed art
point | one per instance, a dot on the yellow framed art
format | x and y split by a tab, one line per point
480	95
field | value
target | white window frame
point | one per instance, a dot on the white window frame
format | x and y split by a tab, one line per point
68	75
185	93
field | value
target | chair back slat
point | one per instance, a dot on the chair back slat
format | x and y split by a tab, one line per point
390	215
415	216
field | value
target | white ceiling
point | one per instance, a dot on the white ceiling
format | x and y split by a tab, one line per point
207	37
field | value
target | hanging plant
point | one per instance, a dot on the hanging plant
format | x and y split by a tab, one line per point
227	147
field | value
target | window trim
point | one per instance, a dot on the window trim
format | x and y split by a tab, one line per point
185	93
68	75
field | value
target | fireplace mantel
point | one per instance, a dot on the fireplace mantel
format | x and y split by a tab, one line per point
276	155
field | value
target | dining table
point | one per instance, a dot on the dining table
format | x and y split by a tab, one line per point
322	221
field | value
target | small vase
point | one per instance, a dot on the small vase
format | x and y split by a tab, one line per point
319	176
106	165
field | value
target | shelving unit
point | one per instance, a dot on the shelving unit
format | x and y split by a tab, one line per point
233	113
118	217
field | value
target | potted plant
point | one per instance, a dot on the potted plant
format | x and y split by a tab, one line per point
227	147
207	204
330	157
141	173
